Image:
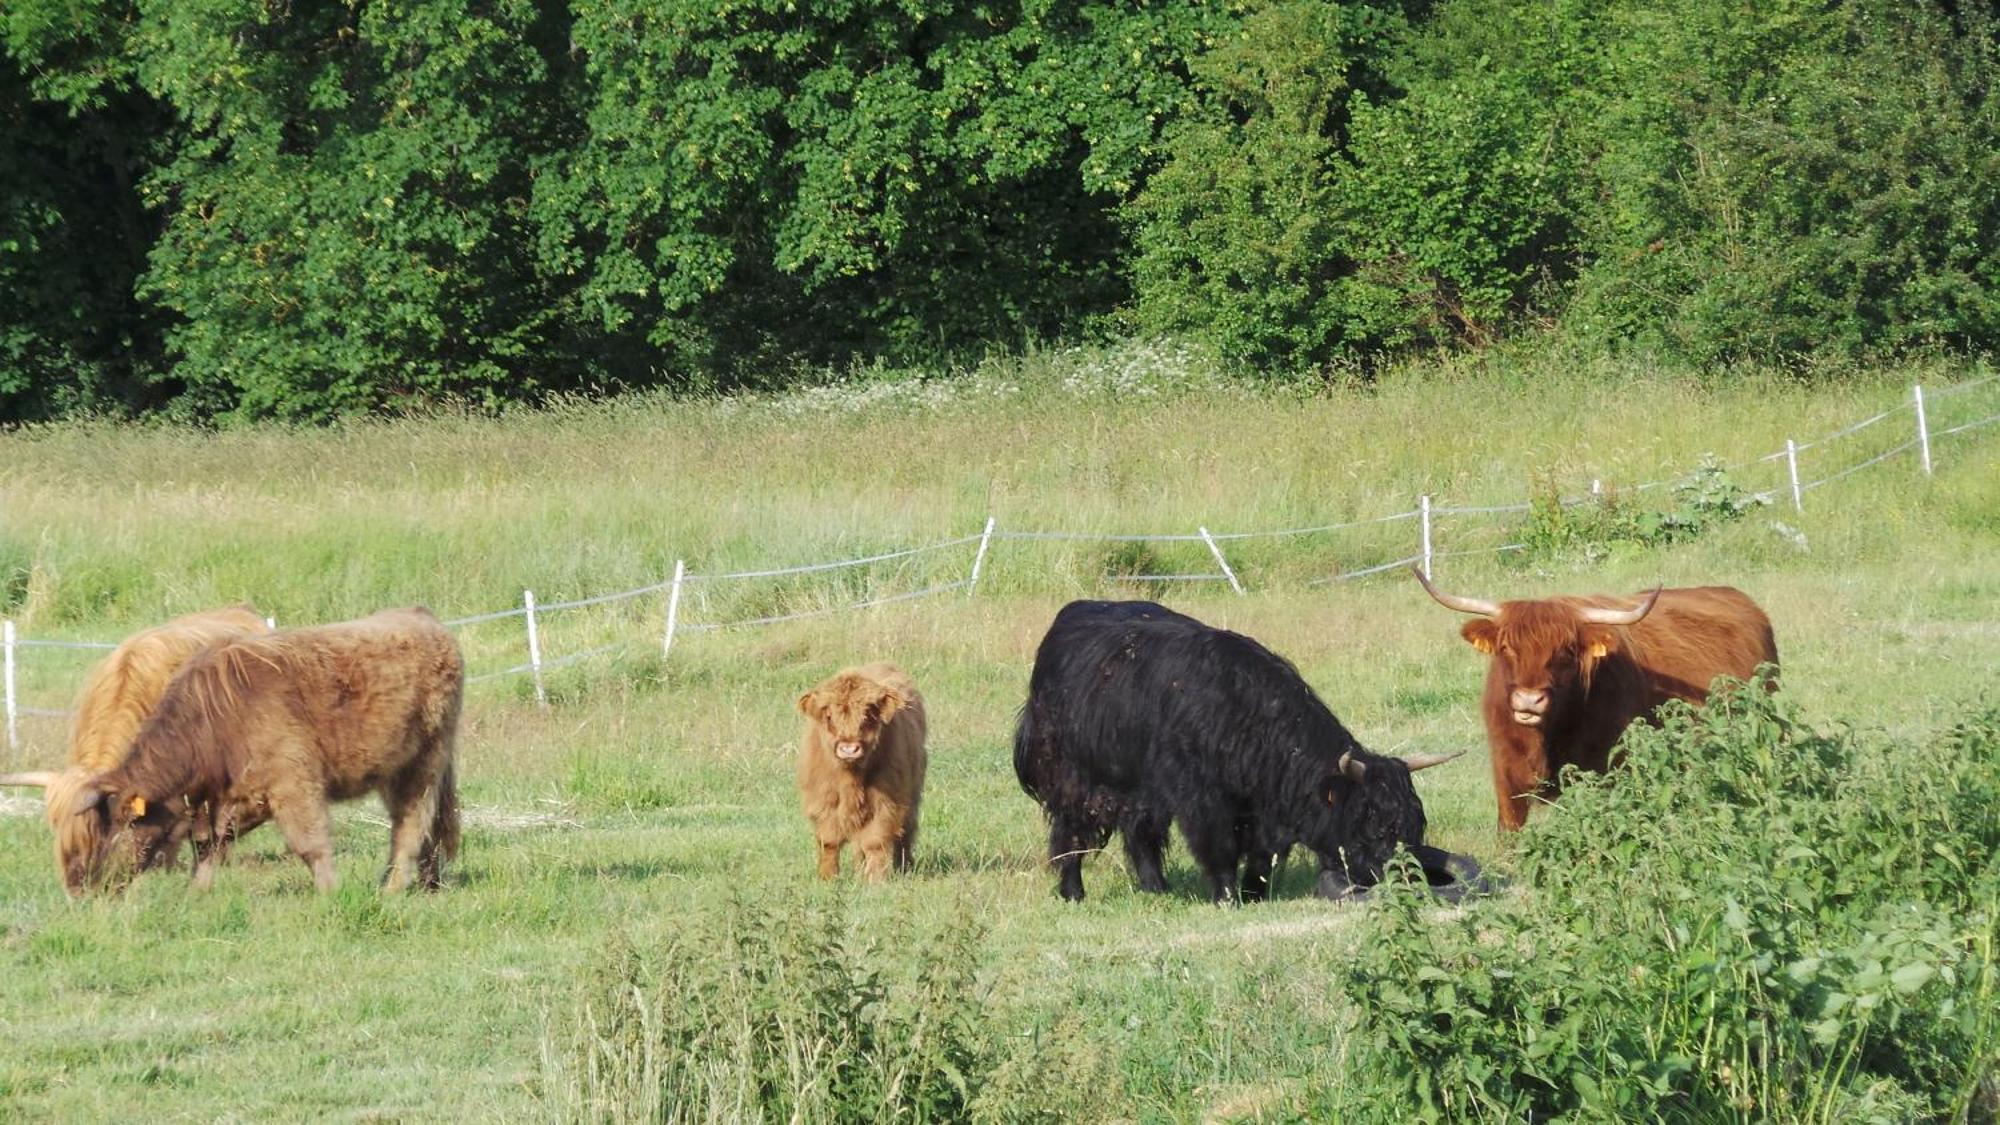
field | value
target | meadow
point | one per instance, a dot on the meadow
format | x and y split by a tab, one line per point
635	917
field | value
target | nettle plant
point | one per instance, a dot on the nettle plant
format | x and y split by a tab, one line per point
1753	920
1705	499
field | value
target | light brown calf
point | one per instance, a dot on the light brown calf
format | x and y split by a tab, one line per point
861	767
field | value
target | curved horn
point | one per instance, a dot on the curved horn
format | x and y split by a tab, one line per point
39	779
1354	771
1598	616
1425	761
1452	601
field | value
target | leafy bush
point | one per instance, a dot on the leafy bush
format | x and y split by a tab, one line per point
1753	919
1703	500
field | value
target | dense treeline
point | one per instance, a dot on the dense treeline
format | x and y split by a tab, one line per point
302	207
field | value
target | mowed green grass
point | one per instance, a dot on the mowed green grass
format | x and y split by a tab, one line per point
652	799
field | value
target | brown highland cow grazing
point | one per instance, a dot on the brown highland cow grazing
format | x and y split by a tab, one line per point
861	767
282	725
118	695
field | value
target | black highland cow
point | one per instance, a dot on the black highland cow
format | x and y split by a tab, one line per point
1138	716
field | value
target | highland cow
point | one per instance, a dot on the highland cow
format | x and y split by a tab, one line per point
861	767
1139	717
283	725
118	695
1569	674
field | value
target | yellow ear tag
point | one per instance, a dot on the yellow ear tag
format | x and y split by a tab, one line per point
136	806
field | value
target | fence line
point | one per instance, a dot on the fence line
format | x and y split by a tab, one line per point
822	611
813	567
1425	513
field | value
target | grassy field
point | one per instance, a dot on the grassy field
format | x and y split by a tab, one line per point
648	812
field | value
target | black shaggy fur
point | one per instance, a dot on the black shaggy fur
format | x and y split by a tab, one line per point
1138	717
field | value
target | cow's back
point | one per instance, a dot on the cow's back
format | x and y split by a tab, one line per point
903	757
1696	634
1130	701
367	695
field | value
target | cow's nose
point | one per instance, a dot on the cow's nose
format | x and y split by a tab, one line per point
1534	702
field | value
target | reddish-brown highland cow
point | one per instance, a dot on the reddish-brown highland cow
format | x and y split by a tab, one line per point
861	767
118	695
280	726
1569	674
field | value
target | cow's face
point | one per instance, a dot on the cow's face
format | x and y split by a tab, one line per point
1372	809
1544	654
153	831
131	834
1380	811
851	712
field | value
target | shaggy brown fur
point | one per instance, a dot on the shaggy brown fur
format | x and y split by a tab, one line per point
117	696
290	722
861	767
1591	681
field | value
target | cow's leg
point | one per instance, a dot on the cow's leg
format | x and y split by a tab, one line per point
1211	839
1257	866
906	843
209	853
308	831
829	857
1145	846
879	842
1069	839
411	808
1518	777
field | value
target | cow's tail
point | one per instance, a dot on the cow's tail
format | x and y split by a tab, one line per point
1024	751
444	819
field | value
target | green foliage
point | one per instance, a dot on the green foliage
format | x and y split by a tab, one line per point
346	212
1794	179
1702	501
229	208
760	185
1237	238
1753	919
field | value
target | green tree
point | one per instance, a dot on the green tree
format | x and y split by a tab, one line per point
346	214
761	185
73	232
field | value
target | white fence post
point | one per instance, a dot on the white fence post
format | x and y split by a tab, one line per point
1424	516
7	637
1220	561
979	560
1923	427
673	608
1792	467
534	647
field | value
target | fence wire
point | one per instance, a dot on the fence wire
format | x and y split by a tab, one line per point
1932	396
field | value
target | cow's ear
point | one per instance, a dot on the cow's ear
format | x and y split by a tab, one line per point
1596	644
809	705
1481	633
890	702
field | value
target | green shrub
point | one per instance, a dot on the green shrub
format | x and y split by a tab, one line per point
1702	501
1751	920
